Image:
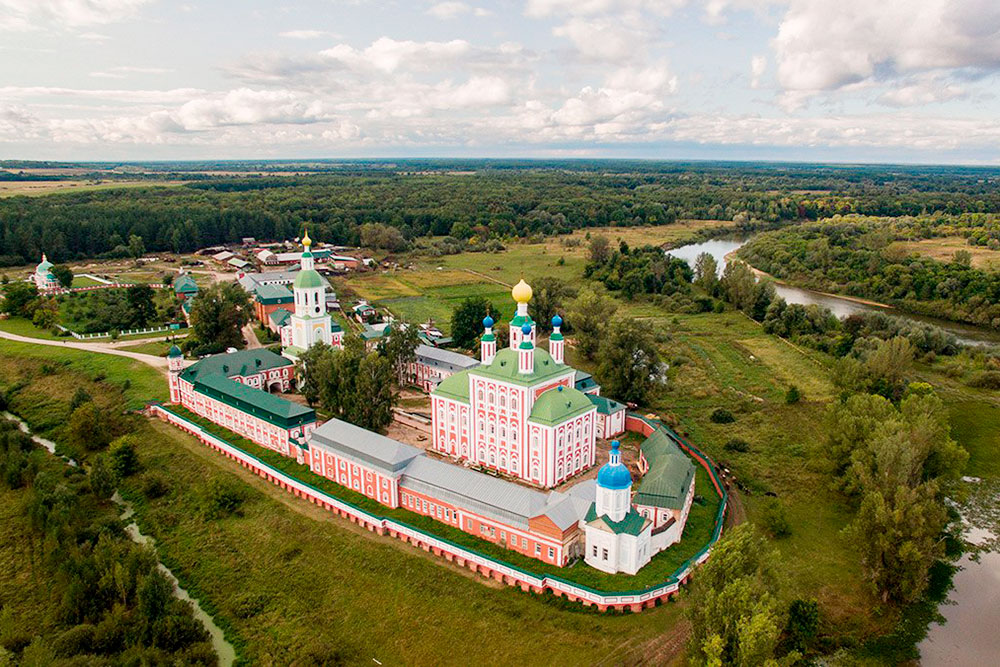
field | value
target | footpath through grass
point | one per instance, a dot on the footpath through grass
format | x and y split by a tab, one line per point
697	531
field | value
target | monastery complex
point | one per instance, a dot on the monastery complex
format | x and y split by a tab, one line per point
505	431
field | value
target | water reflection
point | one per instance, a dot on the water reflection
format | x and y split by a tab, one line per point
720	248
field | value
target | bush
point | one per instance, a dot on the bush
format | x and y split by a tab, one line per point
773	519
154	487
722	416
122	458
985	380
803	622
737	445
222	499
793	396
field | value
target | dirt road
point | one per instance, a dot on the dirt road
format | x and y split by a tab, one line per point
160	363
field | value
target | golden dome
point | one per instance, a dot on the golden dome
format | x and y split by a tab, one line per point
306	241
521	292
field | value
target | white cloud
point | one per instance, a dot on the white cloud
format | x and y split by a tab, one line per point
601	38
123	71
922	90
758	65
387	54
25	14
823	46
540	8
449	10
304	34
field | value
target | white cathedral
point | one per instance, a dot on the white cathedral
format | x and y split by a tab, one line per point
310	323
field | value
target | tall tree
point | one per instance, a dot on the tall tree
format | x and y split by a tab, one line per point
549	295
467	321
738	284
218	314
600	249
63	274
19	298
706	272
589	314
734	612
142	309
399	348
375	396
630	366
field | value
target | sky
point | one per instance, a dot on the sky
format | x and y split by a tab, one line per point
904	81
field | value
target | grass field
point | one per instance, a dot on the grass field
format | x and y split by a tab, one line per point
158	348
293	585
39	188
943	249
84	281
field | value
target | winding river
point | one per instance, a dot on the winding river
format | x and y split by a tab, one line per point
971	615
839	306
223	649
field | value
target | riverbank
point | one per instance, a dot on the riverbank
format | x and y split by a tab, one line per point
853	299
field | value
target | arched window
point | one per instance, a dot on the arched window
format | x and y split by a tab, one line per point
503	401
534	472
479	395
503	462
493	458
513	402
503	432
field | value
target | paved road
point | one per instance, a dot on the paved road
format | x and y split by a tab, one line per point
160	363
250	336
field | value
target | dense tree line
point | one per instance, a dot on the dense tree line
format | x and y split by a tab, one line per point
113	606
858	257
499	200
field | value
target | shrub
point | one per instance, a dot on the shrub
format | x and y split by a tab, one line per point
803	622
737	445
793	396
222	499
123	460
985	380
722	416
773	519
154	487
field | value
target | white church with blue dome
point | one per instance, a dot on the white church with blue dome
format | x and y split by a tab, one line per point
617	537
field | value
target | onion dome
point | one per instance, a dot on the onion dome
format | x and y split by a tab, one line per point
45	265
526	329
306	241
521	292
614	474
556	321
174	352
487	322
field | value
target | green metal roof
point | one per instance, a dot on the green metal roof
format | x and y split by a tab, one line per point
174	351
605	406
670	473
504	368
279	317
309	279
243	362
520	320
557	405
631	524
185	285
269	407
271	294
455	386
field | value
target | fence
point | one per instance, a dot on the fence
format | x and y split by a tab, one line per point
107	334
486	566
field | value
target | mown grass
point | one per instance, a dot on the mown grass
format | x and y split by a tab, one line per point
21	326
976	426
697	533
295	586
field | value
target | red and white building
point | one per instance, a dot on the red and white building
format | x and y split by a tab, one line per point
432	365
232	390
519	412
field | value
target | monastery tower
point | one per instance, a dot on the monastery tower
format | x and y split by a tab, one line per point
310	322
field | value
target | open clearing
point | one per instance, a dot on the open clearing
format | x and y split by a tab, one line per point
943	249
38	188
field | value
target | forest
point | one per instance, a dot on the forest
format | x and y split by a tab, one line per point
859	256
466	199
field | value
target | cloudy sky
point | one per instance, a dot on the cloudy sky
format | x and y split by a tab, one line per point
839	80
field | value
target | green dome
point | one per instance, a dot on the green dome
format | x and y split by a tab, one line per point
174	351
308	279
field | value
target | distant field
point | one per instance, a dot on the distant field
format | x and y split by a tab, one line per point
38	188
83	281
943	249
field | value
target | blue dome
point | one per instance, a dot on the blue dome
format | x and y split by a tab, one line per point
487	321
526	329
556	321
614	474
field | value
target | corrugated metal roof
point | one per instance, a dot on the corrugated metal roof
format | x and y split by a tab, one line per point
365	446
242	362
504	367
254	401
558	405
444	359
605	405
670	473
